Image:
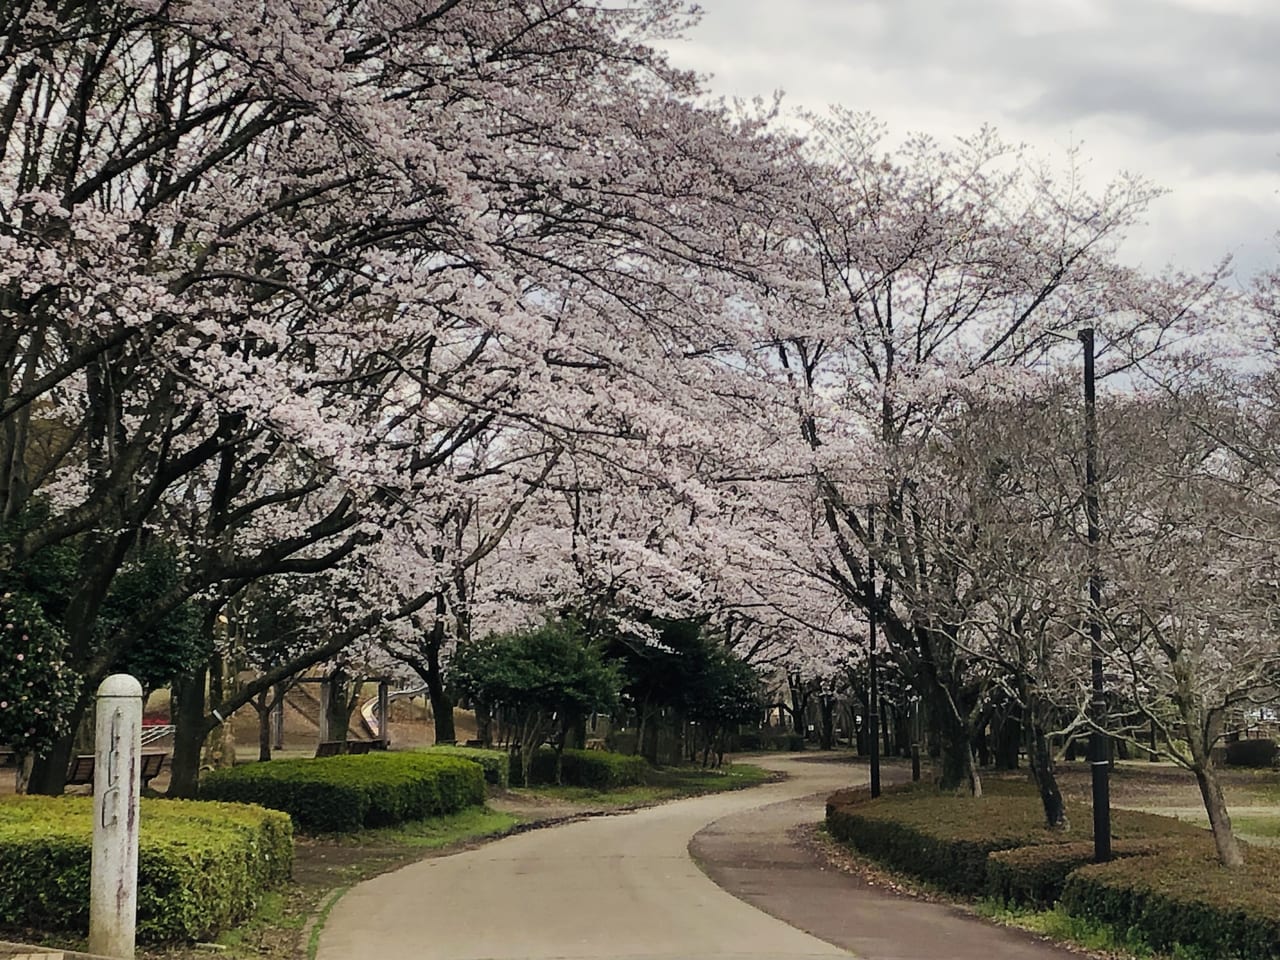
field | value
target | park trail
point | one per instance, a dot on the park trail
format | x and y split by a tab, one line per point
717	876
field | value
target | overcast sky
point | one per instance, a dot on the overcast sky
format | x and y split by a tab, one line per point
1184	92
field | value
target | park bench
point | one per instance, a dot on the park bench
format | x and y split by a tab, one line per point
357	747
331	748
81	771
8	758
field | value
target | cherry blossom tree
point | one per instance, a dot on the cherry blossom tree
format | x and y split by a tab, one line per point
921	271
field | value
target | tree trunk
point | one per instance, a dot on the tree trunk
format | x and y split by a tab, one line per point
263	709
902	740
441	703
1215	804
189	731
1040	757
649	742
484	722
49	773
338	704
984	747
799	701
1008	741
958	768
827	706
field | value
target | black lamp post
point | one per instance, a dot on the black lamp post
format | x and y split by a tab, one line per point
1099	762
873	705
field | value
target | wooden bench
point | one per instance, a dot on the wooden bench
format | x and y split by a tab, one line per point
81	772
331	748
8	758
357	747
152	766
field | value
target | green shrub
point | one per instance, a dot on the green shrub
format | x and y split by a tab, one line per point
495	763
597	769
946	839
1035	876
1251	753
339	794
201	866
1180	895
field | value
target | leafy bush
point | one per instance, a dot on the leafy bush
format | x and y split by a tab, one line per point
495	763
339	794
589	768
1251	753
946	839
1180	895
1035	876
201	866
37	687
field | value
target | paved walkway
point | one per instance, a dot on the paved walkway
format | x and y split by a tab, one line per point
753	856
625	888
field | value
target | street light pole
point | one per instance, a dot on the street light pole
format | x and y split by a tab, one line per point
1098	759
873	706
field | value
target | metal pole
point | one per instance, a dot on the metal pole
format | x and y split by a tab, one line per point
277	723
117	780
915	739
873	707
1098	759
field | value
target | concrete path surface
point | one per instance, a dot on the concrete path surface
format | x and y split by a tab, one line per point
610	887
626	888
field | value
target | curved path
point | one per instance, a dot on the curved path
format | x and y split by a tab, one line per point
609	887
625	888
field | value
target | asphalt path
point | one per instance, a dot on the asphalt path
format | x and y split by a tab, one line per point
619	887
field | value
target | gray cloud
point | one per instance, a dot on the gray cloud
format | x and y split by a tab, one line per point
1183	91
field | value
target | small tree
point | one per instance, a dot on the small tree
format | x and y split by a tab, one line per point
36	686
538	679
721	693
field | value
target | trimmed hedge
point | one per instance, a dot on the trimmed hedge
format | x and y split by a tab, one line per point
1251	753
597	769
495	763
1182	896
201	866
341	794
947	840
1165	884
1035	876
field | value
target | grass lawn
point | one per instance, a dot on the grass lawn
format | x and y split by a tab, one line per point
1253	796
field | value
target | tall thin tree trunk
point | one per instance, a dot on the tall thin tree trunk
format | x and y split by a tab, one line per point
1040	756
441	704
189	732
263	708
1215	804
827	706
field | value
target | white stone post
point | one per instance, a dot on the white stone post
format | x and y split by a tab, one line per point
113	886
